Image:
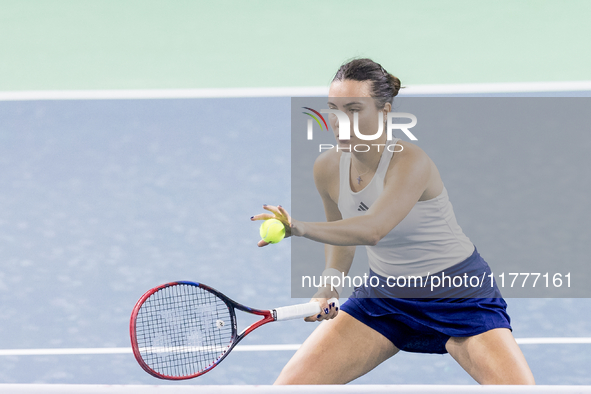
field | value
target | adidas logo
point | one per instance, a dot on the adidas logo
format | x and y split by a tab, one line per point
362	207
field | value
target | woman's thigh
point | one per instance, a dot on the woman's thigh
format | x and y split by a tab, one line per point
338	351
492	357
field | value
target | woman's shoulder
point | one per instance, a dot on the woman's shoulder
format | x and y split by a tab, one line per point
327	162
415	163
326	168
409	153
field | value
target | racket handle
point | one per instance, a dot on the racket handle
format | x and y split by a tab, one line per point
301	310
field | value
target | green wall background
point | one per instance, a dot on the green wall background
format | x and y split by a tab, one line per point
137	44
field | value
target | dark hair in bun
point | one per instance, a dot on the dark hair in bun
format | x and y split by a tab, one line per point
384	86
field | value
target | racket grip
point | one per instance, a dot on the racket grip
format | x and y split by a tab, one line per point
301	310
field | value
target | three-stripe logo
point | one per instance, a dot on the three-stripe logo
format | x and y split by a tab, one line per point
362	207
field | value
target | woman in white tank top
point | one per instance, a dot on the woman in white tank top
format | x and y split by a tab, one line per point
393	201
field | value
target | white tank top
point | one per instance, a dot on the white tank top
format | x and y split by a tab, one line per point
427	240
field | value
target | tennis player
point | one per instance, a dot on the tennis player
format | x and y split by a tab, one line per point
393	201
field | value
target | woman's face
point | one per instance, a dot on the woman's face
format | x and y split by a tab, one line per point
353	97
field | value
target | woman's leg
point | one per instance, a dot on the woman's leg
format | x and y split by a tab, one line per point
492	357
337	352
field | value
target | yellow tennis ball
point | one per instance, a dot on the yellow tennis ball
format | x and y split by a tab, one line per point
272	231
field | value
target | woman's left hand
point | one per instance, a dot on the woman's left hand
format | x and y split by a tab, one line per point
279	213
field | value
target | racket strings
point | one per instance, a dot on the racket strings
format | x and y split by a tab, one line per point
183	330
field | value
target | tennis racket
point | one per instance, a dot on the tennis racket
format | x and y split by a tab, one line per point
181	330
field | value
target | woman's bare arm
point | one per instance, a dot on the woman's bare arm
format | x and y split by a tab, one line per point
405	182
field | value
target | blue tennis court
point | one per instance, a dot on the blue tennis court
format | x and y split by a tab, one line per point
137	139
104	199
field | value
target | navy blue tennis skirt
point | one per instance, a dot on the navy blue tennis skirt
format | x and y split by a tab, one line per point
424	325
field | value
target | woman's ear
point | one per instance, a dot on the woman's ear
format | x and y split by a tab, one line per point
387	108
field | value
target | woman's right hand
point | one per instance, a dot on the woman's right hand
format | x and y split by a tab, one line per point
279	213
327	310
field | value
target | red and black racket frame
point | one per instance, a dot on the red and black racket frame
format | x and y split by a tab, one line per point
268	316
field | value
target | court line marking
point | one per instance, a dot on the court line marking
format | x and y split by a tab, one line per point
510	87
250	348
27	388
126	94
